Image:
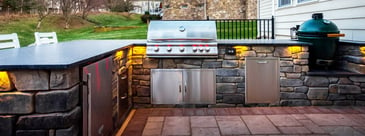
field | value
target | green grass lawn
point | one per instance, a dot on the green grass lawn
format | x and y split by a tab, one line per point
25	26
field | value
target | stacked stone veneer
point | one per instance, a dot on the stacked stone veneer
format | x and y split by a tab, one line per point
351	57
41	103
296	87
230	71
215	9
47	102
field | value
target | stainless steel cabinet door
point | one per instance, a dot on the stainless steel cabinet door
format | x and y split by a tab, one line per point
262	80
97	98
166	86
199	86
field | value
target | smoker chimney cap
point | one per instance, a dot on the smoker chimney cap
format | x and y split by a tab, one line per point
317	16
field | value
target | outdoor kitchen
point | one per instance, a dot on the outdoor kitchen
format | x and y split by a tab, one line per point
88	87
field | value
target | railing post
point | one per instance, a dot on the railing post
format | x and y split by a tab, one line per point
272	28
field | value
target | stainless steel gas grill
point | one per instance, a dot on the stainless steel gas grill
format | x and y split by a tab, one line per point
182	39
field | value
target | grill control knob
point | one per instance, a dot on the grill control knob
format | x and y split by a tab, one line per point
201	49
207	49
156	49
195	49
182	49
169	49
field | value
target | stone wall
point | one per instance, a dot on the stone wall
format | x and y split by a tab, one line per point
230	74
47	102
215	9
41	102
351	57
297	88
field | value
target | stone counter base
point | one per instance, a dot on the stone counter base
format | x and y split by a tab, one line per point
296	87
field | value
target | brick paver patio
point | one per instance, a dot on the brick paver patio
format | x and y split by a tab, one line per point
338	121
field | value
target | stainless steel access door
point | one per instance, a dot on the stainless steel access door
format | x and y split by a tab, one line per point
199	86
97	98
183	86
262	80
166	86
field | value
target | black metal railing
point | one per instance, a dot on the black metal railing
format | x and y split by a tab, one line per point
245	28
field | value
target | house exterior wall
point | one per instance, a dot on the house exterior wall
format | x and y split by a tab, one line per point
142	5
347	15
264	9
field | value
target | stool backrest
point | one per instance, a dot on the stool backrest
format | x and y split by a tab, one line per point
9	41
45	38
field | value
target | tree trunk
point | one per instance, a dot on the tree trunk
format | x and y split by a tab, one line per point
67	23
39	24
21	6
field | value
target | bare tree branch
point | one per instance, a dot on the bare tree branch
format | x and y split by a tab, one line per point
68	7
41	7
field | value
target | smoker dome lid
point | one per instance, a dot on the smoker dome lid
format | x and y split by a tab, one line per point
318	25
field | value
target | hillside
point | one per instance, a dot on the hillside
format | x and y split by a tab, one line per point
131	27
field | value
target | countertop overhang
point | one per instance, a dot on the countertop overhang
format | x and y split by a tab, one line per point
73	53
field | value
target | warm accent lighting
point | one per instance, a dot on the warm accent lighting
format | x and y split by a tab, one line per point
241	48
5	84
295	49
362	50
139	50
119	55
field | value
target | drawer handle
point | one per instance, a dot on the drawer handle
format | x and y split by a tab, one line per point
261	61
123	97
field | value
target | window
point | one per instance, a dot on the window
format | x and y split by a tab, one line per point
300	1
283	3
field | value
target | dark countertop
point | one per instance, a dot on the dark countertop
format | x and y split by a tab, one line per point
62	55
73	53
358	43
263	42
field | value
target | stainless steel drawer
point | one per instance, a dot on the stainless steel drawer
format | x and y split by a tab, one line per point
262	80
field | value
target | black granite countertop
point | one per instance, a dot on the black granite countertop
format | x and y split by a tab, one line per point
73	53
350	42
62	55
263	42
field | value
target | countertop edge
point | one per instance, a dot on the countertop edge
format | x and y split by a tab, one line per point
128	43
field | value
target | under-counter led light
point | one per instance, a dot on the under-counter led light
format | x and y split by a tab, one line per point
241	48
295	49
139	50
362	50
4	81
119	54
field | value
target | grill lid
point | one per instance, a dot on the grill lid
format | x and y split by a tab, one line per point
182	31
182	39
